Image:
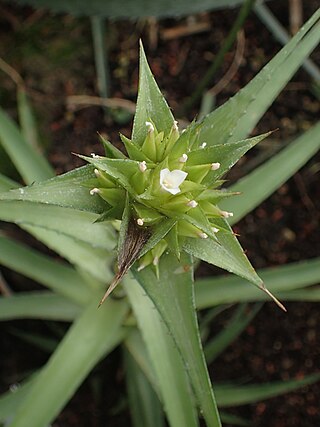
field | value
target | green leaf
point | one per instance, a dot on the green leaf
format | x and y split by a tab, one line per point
233	395
173	297
238	323
237	117
10	400
264	180
150	104
93	260
92	336
7	183
281	280
64	190
29	163
110	150
172	381
39	341
131	9
159	231
38	305
27	119
225	154
70	222
58	277
144	404
120	169
225	253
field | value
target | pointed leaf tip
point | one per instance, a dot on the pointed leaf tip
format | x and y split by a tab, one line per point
279	304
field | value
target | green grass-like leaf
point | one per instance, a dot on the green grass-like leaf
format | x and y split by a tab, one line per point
38	305
237	117
175	303
150	104
264	180
171	379
29	163
281	280
92	336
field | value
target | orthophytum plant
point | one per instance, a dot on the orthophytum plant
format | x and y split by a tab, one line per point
166	190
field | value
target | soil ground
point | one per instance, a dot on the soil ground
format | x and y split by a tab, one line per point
54	56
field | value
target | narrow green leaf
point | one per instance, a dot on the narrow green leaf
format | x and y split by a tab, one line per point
225	253
10	400
237	117
145	407
238	323
171	376
234	420
173	297
129	10
264	180
64	190
94	260
159	231
70	222
58	277
226	154
150	104
95	333
41	342
27	120
281	280
7	183
233	395
29	163
110	150
120	169
38	305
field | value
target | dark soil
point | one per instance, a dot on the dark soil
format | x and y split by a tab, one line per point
54	56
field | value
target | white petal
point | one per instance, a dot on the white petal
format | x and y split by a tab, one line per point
177	177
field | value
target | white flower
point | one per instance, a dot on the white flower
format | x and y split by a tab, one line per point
183	158
192	204
150	127
143	166
170	181
94	191
215	166
226	214
202	235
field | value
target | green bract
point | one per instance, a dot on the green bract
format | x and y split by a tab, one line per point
165	190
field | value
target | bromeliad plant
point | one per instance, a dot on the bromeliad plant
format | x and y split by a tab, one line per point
166	196
165	191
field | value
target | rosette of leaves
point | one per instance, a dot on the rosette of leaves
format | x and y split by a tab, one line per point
166	189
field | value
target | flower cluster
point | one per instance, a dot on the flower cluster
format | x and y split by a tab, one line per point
169	176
